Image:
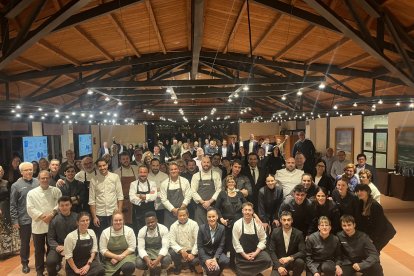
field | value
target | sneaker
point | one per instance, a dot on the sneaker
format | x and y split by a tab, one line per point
177	270
25	268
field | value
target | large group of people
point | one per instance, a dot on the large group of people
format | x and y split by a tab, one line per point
244	205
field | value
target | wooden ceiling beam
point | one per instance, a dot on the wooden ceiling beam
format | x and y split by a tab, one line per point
93	42
305	33
16	8
327	50
124	35
43	43
235	26
197	35
268	32
354	60
155	25
348	31
44	29
30	64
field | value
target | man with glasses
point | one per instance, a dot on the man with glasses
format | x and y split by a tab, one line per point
18	211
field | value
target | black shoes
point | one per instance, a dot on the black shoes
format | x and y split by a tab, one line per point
177	270
25	268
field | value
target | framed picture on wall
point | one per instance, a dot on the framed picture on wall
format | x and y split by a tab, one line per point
404	146
344	140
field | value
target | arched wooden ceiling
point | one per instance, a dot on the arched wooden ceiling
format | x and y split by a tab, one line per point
53	51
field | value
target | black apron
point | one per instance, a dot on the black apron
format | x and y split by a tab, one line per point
206	190
138	211
87	183
176	198
249	243
81	254
126	204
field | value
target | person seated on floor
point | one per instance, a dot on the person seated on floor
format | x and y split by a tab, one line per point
287	248
60	226
117	245
249	241
183	241
358	252
153	244
81	248
323	251
211	242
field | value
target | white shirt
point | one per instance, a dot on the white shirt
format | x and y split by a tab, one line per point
248	229
338	168
184	236
158	179
376	194
288	180
80	176
224	152
41	202
165	240
72	238
143	187
256	174
286	238
128	172
251	144
105	192
317	179
108	232
185	186
205	176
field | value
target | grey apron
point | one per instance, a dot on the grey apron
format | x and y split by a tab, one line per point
153	245
176	198
206	190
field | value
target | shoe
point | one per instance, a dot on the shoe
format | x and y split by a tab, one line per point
25	268
39	273
177	270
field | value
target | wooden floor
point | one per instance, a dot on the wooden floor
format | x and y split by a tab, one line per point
397	258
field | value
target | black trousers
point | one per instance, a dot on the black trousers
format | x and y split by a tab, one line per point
327	267
25	232
52	260
104	222
297	266
177	259
374	270
40	242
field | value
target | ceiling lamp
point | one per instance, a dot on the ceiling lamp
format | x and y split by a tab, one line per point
380	102
246	88
283	98
107	99
322	85
299	93
355	105
90	91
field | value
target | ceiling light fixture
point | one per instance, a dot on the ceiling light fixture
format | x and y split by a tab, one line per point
322	85
246	88
107	99
380	102
18	106
398	104
355	105
90	91
283	98
299	93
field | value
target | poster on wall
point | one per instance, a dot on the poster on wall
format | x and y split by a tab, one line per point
34	148
404	138
344	140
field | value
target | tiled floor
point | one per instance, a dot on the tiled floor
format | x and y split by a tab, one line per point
397	257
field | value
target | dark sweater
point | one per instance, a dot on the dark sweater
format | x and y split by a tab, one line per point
59	228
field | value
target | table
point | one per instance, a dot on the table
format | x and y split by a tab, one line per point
402	187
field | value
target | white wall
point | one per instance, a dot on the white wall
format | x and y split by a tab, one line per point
258	129
397	120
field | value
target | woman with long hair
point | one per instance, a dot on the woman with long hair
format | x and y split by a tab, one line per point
346	201
270	198
310	187
81	248
372	219
322	206
276	161
36	169
229	205
14	173
322	178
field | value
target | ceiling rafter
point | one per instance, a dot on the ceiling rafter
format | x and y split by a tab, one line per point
235	26
348	31
354	60
124	34
43	43
155	25
327	50
305	33
93	42
45	28
268	32
197	35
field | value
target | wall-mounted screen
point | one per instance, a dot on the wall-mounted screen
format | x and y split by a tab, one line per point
85	144
34	148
